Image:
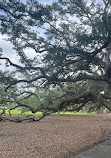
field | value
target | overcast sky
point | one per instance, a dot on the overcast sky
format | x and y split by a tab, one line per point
7	47
46	1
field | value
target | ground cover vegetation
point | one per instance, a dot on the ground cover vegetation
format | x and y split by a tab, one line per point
70	65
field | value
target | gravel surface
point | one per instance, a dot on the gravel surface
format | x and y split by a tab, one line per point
52	137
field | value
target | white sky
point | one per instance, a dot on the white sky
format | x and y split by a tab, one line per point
7	47
10	53
46	1
43	1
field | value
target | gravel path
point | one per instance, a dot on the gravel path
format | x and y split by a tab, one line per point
52	137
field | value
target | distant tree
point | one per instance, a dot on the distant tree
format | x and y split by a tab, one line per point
72	42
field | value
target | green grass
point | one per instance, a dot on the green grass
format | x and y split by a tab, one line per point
77	113
18	112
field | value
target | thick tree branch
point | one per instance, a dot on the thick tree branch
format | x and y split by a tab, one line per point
25	81
20	67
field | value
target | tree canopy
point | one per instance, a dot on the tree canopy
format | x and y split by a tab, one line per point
70	42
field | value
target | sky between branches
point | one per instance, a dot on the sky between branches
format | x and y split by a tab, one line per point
8	48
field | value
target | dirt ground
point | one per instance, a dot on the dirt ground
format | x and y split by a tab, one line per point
52	137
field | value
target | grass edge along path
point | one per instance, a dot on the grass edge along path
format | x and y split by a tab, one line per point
19	112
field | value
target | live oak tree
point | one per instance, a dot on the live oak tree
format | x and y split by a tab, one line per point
71	40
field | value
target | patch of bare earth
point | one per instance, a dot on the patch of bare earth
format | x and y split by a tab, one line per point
52	137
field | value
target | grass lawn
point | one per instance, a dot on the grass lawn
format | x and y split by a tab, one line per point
77	113
18	112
